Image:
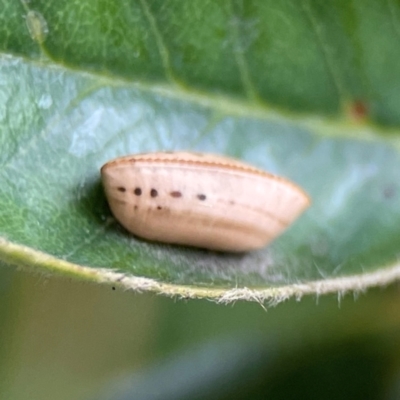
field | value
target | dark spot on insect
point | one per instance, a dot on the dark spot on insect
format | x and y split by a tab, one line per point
113	288
176	194
159	208
121	189
153	193
201	197
138	191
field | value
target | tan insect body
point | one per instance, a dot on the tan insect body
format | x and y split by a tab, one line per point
201	200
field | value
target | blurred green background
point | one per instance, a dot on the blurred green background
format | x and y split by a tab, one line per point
62	339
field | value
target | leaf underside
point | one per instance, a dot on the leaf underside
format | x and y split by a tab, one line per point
305	90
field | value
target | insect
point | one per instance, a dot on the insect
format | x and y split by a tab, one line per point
200	199
37	26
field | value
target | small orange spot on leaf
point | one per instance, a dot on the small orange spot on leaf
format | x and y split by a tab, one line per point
358	110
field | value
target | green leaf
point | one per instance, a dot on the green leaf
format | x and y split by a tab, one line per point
307	90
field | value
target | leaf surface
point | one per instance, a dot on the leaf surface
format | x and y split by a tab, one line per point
305	90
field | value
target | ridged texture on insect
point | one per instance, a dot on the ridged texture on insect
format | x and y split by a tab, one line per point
201	200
